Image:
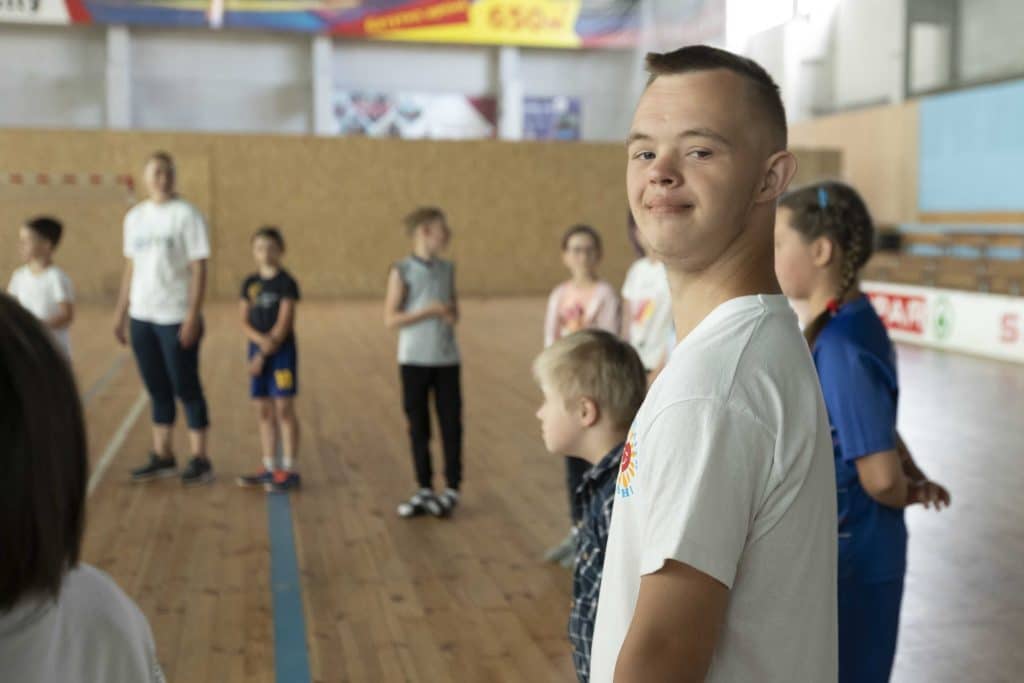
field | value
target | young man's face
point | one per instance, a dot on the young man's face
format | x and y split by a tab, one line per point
31	245
696	159
266	252
581	254
560	429
159	177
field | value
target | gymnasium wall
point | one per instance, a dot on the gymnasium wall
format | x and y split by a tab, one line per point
972	148
339	201
879	148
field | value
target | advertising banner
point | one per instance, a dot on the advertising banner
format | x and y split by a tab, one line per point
982	324
529	23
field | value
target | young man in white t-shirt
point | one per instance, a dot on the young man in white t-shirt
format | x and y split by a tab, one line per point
166	247
39	285
721	559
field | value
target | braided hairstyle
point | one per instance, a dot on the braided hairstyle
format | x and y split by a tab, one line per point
835	211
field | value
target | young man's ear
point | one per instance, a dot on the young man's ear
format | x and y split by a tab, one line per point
779	170
589	413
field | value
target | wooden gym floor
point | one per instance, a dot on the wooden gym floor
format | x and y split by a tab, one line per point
468	599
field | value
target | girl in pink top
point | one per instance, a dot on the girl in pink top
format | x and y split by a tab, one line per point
584	301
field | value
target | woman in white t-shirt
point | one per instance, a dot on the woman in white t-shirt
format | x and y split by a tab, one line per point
59	620
647	307
166	247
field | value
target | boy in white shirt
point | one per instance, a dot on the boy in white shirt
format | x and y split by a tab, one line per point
721	557
40	286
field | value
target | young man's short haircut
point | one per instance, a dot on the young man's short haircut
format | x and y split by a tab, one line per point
582	230
50	229
43	461
764	91
597	365
271	233
421	216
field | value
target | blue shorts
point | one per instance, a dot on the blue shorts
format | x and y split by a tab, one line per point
280	376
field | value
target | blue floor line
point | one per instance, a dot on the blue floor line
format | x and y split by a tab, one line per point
291	654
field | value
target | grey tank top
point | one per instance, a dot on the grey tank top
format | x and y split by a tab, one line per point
429	342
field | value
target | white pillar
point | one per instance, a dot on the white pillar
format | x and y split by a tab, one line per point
119	77
323	85
510	94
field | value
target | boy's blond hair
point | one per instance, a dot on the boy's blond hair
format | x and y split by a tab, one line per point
421	216
597	365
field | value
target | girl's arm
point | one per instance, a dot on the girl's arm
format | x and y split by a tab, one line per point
608	315
251	333
883	476
285	323
551	317
928	492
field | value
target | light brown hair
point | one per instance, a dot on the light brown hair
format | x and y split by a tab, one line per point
597	365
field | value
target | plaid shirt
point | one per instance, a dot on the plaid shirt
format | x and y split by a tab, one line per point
594	500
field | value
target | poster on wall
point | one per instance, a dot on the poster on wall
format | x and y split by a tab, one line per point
971	322
415	115
536	23
551	118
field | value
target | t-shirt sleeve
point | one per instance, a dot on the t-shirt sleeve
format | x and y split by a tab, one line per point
197	242
709	469
63	292
244	293
291	290
861	404
12	286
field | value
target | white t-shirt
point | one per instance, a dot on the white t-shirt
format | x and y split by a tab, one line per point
93	633
646	293
162	240
728	469
41	294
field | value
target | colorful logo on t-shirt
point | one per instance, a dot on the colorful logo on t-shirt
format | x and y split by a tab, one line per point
254	291
642	311
627	468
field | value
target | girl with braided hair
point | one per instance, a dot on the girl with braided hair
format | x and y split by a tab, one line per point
823	237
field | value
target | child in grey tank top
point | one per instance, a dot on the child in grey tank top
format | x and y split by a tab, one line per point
421	303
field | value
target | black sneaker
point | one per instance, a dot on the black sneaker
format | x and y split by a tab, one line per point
199	471
158	468
422	502
283	482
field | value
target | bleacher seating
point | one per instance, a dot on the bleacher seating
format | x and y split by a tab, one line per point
972	259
